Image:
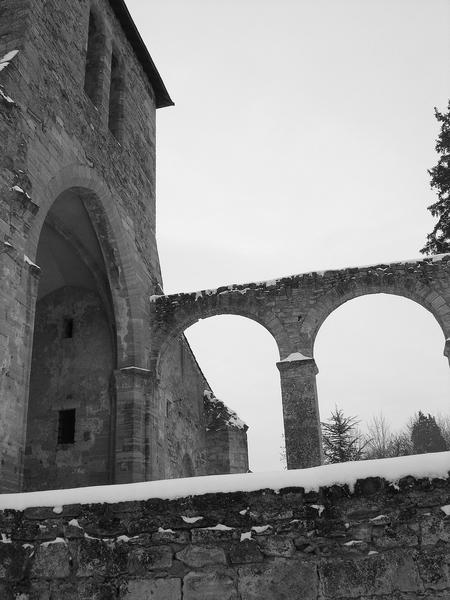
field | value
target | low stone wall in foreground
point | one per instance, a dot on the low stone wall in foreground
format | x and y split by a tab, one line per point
383	541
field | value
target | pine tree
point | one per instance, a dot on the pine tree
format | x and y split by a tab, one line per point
342	441
426	435
439	240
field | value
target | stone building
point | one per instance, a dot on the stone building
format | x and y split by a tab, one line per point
81	401
97	381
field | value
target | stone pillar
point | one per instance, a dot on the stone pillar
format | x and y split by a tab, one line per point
19	285
301	412
132	391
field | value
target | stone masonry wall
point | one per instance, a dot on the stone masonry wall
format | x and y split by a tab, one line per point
53	138
181	424
70	373
200	436
382	542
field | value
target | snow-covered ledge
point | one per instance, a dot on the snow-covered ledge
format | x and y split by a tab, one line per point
424	466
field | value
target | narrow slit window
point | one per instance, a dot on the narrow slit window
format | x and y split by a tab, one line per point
94	55
66	426
115	120
68	328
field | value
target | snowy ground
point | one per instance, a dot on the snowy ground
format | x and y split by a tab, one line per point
435	465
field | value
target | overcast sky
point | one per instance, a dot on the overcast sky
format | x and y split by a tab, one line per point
300	140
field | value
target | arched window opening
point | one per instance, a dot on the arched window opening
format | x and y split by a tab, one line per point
70	408
94	58
115	120
238	358
381	356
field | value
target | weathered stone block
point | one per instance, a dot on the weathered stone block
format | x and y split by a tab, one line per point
210	585
281	579
12	561
158	589
168	536
396	536
373	574
202	556
51	561
434	568
276	546
93	557
213	536
83	590
141	560
434	528
245	552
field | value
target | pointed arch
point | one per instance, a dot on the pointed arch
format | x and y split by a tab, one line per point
103	211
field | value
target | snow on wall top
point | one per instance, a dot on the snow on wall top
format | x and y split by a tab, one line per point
422	262
423	466
296	356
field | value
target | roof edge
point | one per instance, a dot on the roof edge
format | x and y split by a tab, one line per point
162	97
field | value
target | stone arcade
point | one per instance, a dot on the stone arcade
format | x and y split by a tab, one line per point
97	383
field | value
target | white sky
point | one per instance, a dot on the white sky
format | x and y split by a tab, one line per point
300	140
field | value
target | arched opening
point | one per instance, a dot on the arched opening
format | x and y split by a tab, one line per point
94	56
116	91
382	353
238	358
69	441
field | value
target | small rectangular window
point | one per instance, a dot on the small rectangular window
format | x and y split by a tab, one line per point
68	328
66	426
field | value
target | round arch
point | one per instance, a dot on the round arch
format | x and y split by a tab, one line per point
186	319
381	353
421	293
238	358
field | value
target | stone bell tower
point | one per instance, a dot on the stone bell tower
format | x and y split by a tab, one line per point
79	402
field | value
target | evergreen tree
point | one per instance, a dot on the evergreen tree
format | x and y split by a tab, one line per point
426	435
342	441
439	240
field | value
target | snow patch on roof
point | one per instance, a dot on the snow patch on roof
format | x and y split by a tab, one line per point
226	414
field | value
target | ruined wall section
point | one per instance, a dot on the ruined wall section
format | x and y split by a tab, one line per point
180	425
293	309
199	435
226	438
381	542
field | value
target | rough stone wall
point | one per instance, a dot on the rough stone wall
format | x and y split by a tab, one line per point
70	373
226	438
182	429
199	436
53	139
383	542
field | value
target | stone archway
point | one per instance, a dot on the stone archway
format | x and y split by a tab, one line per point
292	309
381	353
71	406
184	400
116	253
